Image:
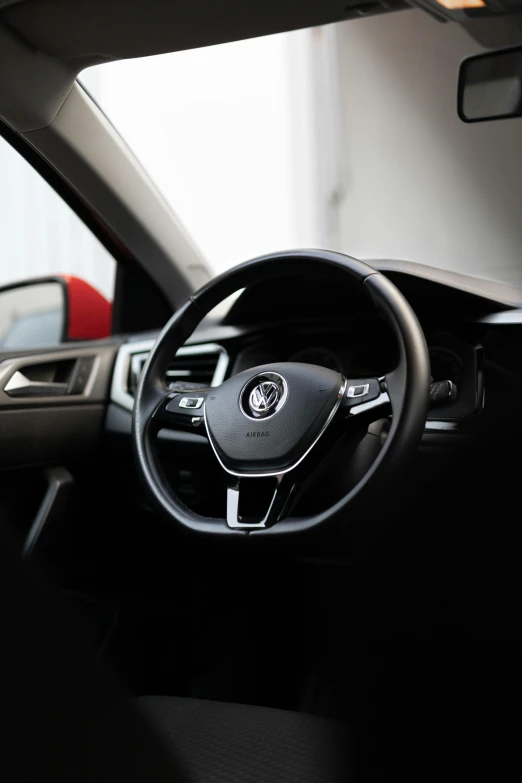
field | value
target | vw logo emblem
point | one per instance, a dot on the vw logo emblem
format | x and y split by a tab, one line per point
264	397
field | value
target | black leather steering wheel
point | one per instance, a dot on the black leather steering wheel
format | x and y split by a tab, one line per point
279	420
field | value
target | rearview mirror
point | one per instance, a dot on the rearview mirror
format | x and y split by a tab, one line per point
490	86
48	311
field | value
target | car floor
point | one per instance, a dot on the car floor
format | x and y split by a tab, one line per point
297	640
411	635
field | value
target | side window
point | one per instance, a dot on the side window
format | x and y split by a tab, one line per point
56	278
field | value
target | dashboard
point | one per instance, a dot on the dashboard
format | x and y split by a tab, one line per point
331	325
363	352
474	343
361	349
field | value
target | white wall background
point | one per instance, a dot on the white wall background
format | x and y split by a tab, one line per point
421	185
40	235
228	135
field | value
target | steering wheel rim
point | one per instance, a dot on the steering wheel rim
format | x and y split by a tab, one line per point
407	387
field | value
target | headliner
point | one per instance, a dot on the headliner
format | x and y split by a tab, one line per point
97	30
86	32
44	44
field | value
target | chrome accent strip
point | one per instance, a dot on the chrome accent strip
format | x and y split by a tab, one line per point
178	373
278	473
17	381
233	508
130	351
439	425
221	366
382	399
501	318
351	390
233	519
184	403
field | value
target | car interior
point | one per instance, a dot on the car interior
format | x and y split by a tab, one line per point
259	526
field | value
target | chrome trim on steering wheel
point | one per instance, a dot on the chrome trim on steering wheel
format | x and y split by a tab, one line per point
234	520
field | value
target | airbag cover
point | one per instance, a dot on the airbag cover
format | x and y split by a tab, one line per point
246	444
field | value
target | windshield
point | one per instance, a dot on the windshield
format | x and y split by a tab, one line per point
343	137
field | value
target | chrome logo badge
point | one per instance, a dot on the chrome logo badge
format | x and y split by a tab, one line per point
264	397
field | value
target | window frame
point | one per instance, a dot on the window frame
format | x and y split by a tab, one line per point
70	196
127	265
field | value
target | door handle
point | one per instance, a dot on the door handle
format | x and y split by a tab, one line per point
20	386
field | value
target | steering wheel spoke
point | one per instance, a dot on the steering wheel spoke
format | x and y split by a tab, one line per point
285	491
182	410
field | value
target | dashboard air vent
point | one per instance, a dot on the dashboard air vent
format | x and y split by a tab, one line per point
193	366
193	369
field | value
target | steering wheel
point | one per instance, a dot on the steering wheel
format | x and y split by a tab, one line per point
280	420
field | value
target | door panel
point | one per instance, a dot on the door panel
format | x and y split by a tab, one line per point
52	403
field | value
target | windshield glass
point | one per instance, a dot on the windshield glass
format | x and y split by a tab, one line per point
344	137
